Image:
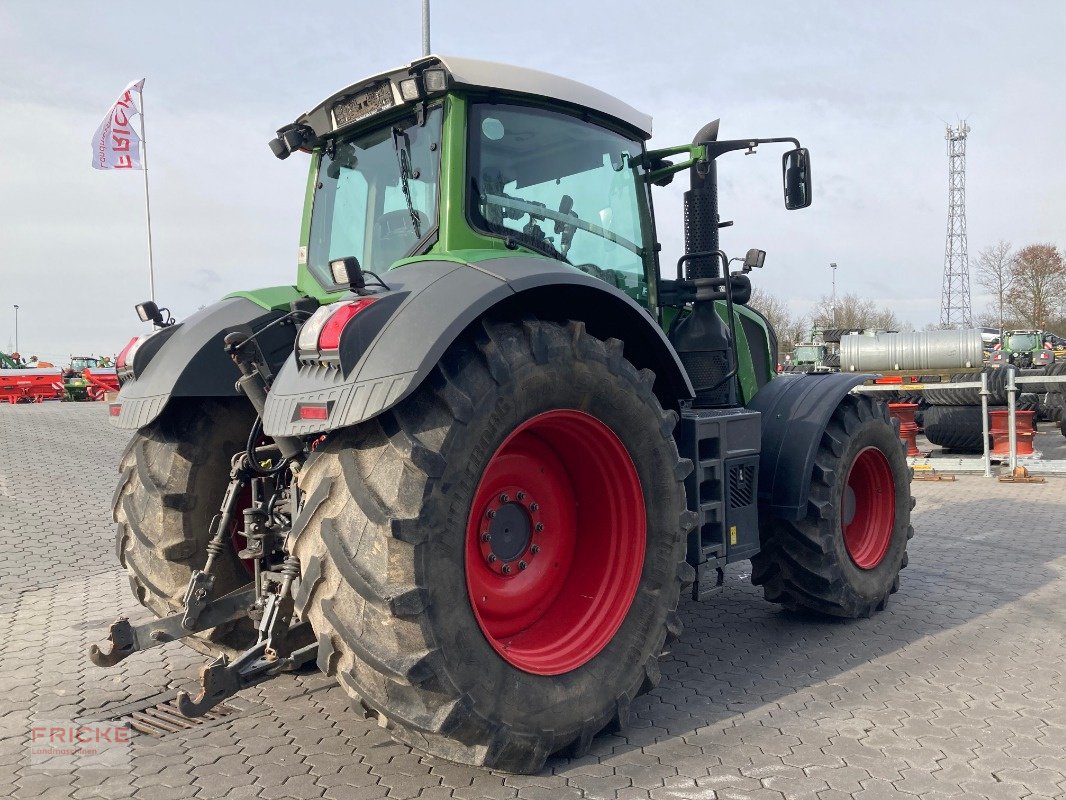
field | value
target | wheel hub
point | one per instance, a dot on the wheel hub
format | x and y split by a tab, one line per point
561	485
868	511
510	538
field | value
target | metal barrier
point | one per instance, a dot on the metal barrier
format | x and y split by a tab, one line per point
985	462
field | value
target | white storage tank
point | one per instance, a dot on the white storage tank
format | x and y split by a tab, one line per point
958	349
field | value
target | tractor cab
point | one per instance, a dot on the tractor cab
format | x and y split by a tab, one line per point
469	161
453	155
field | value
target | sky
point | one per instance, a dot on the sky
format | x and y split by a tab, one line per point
868	87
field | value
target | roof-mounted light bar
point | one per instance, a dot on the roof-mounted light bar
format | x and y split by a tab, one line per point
376	95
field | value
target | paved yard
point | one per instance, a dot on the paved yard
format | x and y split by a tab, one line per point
957	690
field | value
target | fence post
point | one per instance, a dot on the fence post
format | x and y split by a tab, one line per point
1012	411
984	423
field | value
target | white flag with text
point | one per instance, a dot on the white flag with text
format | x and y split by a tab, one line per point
116	144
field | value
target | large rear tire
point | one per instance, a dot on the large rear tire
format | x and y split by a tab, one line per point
844	557
492	567
174	475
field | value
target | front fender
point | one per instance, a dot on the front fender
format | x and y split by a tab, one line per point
441	299
795	409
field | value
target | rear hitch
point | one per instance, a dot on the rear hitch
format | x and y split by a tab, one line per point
280	648
126	639
221	679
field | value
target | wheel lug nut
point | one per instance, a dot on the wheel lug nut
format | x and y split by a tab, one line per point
506	569
535	549
492	558
504	498
522	565
492	513
520	496
486	537
540	527
534	506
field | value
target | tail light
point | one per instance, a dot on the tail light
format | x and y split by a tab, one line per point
320	336
124	361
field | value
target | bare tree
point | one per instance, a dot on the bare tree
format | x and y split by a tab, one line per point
791	329
994	274
1037	293
853	311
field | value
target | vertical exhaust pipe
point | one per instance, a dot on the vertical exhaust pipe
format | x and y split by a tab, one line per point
702	339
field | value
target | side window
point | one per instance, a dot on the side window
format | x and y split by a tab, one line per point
349	215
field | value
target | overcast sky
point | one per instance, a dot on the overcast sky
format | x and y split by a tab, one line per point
868	87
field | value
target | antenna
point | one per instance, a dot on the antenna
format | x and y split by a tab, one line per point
955	309
425	27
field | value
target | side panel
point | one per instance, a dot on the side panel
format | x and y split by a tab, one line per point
442	299
191	361
795	410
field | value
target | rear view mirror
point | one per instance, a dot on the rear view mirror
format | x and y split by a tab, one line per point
796	170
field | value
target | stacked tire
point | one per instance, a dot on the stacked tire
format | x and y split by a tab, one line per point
1055	398
952	419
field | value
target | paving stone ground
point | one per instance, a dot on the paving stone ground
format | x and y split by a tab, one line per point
956	690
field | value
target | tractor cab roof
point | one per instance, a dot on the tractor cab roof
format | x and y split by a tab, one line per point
434	75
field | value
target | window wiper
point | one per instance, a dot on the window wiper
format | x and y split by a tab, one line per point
404	155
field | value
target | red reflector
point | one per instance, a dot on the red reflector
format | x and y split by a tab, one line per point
330	338
115	409
120	362
314	412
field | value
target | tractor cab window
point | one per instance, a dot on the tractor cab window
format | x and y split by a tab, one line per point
376	196
560	186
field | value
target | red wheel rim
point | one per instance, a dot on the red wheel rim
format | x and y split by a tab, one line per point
555	542
868	515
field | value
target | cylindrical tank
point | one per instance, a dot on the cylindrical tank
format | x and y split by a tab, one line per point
906	351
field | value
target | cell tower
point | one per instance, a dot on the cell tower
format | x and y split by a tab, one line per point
955	301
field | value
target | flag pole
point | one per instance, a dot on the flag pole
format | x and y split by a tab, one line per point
147	202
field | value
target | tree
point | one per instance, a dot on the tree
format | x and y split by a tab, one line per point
791	329
1037	292
853	311
994	275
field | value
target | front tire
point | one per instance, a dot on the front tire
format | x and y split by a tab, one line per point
844	557
428	632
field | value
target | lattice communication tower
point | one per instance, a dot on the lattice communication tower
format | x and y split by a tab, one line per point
955	309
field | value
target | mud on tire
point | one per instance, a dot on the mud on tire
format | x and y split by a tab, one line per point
809	564
174	473
383	535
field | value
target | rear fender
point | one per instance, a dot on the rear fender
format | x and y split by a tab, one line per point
795	409
189	360
383	359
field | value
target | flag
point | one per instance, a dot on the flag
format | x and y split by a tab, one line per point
116	144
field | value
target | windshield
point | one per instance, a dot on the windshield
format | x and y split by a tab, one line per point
562	187
376	196
1024	341
808	353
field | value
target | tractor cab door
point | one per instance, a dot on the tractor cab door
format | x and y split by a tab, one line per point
563	187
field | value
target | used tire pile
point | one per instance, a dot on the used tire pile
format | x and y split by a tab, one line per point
1055	396
952	418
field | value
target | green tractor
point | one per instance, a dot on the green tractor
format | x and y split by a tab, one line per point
472	459
75	383
812	357
1023	348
